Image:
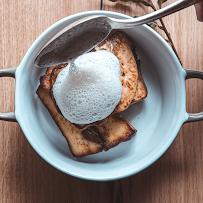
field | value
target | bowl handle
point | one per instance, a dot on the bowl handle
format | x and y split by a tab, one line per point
11	115
194	116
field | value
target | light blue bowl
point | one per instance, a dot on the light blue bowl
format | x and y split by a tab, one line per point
157	119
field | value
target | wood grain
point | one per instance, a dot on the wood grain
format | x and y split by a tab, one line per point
25	177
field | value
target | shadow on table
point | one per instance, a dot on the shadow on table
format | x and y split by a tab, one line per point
122	7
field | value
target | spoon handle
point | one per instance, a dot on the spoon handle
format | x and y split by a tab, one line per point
172	8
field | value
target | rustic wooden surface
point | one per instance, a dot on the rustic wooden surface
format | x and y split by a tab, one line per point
25	177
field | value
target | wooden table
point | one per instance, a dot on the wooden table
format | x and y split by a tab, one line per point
25	177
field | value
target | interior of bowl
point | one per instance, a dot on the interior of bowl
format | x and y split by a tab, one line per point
157	119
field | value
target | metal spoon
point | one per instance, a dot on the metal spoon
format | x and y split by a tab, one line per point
84	35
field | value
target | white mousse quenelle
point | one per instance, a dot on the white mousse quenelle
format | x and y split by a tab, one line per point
89	88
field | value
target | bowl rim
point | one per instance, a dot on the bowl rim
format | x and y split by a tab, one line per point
26	130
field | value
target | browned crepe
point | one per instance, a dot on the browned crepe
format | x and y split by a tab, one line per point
93	138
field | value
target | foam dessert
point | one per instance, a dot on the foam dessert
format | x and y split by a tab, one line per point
85	95
88	89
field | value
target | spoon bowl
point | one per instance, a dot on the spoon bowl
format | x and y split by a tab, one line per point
84	35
